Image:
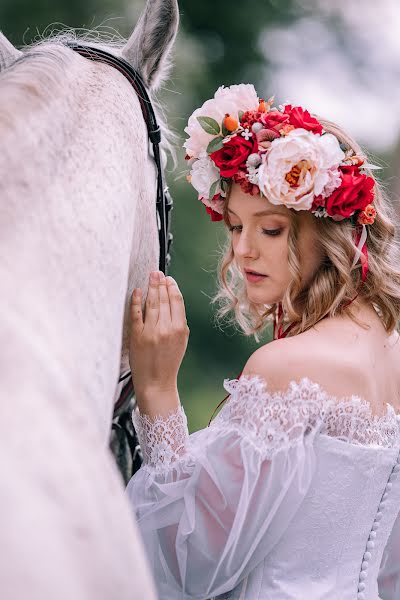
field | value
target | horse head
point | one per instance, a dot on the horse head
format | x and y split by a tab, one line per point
79	179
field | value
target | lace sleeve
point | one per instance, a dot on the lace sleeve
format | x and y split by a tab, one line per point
212	505
270	421
162	440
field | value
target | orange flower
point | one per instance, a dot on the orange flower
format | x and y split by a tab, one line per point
262	107
367	216
230	123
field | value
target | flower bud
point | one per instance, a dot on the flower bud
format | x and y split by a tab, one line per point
230	123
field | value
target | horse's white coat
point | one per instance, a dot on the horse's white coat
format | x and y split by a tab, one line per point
77	232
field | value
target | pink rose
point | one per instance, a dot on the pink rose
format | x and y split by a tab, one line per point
274	119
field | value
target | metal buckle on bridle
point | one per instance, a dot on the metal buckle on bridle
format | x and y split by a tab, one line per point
164	202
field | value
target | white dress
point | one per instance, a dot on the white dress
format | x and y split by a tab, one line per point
285	496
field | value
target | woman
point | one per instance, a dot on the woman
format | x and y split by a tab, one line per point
293	490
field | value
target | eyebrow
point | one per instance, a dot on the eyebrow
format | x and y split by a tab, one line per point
261	213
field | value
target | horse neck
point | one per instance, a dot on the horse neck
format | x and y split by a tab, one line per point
75	187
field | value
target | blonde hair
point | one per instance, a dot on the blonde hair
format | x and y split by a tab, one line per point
335	283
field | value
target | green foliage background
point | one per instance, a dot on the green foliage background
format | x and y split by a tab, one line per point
218	43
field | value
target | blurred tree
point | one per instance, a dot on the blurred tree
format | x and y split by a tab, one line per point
229	34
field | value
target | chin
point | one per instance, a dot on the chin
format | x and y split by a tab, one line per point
263	297
260	298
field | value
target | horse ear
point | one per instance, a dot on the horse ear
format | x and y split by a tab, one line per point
150	44
8	54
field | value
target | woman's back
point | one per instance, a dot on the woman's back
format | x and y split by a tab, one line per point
334	543
344	359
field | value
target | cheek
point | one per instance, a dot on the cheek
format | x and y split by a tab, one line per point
311	256
278	253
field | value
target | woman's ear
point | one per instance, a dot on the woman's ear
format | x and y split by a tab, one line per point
148	48
8	54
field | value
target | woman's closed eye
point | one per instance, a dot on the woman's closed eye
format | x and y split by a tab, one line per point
272	232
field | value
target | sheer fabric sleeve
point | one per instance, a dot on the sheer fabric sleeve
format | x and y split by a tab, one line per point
389	572
212	505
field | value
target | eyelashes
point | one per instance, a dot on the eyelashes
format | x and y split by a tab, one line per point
271	232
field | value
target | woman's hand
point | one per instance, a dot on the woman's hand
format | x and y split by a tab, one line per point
159	338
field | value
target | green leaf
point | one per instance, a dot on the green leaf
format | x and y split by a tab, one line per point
240	113
213	189
209	125
225	131
215	144
224	185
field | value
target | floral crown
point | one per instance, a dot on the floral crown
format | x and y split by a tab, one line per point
282	153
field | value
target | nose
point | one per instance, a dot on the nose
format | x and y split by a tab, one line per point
245	246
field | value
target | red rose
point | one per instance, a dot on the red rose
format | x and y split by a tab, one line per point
355	193
234	154
317	202
274	119
302	118
215	216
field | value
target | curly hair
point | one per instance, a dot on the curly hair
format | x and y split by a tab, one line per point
335	283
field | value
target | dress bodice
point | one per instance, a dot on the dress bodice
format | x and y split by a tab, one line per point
286	495
334	545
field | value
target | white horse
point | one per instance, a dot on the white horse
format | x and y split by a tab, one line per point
78	232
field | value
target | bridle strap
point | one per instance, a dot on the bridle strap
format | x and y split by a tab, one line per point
163	201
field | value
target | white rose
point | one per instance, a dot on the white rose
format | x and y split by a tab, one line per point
244	96
299	167
203	174
229	100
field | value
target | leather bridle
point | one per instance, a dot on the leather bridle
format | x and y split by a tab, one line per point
163	201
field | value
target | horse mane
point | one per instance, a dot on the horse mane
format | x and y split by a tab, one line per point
49	59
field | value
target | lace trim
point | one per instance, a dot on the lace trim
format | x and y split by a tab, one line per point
284	416
271	421
161	439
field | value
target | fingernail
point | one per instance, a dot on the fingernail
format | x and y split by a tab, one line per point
162	276
154	277
171	279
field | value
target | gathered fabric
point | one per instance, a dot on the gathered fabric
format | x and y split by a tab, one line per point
277	498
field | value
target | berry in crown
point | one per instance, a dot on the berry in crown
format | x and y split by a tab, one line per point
282	153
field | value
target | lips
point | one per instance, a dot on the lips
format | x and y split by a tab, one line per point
254	276
254	272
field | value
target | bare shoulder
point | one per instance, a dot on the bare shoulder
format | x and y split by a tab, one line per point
341	357
282	361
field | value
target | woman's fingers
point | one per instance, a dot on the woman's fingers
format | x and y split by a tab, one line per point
152	307
178	313
165	311
136	310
